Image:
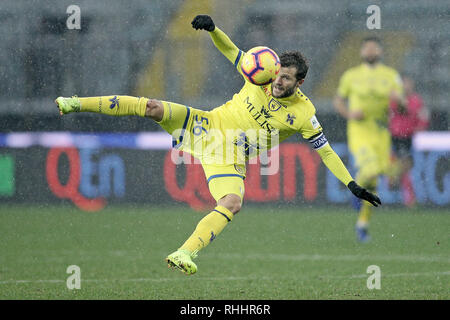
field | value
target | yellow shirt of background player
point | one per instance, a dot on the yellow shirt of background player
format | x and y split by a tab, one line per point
368	89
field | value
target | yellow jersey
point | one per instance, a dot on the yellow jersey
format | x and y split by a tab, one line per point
254	107
257	120
368	89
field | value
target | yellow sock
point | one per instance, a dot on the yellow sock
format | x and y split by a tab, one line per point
115	105
364	214
207	229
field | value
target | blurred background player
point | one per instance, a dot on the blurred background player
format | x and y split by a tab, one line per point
363	98
405	120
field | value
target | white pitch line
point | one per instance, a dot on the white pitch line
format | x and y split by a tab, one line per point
137	280
317	257
31	281
281	257
395	275
392	275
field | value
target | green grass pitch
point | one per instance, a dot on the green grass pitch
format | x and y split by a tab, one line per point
295	253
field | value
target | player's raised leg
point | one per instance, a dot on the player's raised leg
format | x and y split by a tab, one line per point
115	105
170	116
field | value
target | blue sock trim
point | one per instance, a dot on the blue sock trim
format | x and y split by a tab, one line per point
223	215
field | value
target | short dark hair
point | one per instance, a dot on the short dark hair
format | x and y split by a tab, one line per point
295	59
372	39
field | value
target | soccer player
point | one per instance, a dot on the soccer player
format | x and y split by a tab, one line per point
368	89
222	139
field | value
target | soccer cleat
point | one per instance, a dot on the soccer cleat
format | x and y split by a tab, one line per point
182	260
67	105
362	234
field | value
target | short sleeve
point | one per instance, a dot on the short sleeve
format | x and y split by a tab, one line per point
311	127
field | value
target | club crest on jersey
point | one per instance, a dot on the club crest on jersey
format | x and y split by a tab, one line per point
290	118
275	105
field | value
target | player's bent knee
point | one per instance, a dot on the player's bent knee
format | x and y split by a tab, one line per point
154	109
232	202
236	206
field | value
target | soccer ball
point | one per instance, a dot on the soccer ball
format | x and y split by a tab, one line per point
260	65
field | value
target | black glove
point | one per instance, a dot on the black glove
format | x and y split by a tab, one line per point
203	22
363	194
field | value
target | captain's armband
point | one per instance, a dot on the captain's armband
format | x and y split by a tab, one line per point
318	141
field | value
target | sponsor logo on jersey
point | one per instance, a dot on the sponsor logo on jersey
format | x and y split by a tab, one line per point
266	90
259	117
265	112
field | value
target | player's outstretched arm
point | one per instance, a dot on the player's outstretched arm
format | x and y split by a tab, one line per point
337	167
219	38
